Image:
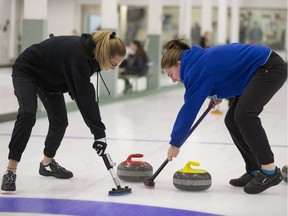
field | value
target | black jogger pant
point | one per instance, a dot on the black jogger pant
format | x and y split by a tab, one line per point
242	119
26	92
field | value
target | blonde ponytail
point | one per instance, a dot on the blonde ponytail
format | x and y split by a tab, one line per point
108	45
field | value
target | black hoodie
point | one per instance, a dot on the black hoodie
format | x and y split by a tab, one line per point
65	64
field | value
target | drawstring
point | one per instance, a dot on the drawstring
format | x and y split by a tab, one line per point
97	96
104	83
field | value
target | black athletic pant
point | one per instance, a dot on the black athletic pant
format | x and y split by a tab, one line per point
26	92
242	118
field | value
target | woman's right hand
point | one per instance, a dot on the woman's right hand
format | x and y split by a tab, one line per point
172	152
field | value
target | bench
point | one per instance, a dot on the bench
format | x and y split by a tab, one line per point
135	78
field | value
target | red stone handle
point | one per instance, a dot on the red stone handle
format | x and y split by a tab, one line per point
136	163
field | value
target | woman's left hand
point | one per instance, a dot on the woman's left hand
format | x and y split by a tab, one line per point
172	152
215	102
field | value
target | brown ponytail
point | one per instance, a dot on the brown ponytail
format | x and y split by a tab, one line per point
172	52
108	45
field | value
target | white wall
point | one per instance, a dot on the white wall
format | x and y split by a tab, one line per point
274	4
65	15
4	34
62	17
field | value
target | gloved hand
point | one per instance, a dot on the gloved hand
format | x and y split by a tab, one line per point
99	147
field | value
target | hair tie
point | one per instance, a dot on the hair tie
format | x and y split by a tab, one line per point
112	35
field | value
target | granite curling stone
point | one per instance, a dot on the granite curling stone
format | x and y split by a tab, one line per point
190	179
284	172
134	171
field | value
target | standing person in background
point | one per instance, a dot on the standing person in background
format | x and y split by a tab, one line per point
242	31
136	63
256	34
205	40
47	70
250	73
196	34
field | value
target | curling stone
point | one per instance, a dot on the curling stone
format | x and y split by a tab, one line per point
285	172
190	179
134	171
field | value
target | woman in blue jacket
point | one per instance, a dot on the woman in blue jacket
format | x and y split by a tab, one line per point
249	74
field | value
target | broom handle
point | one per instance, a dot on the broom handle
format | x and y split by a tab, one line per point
189	133
199	120
159	170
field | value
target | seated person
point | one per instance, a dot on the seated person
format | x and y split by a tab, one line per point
136	63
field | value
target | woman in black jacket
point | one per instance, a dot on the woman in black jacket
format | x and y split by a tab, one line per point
47	70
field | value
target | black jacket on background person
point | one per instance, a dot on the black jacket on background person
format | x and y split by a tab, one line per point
135	64
65	64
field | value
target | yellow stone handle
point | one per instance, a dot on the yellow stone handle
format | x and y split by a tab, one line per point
187	168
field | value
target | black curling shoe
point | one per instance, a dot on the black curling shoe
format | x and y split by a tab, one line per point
54	169
263	181
242	181
8	182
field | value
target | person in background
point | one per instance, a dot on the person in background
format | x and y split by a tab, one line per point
251	74
136	63
205	40
196	34
47	70
256	34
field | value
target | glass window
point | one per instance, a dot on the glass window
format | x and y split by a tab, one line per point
91	18
136	24
170	23
263	26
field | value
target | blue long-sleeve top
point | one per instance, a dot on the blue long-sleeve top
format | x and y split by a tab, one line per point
218	72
